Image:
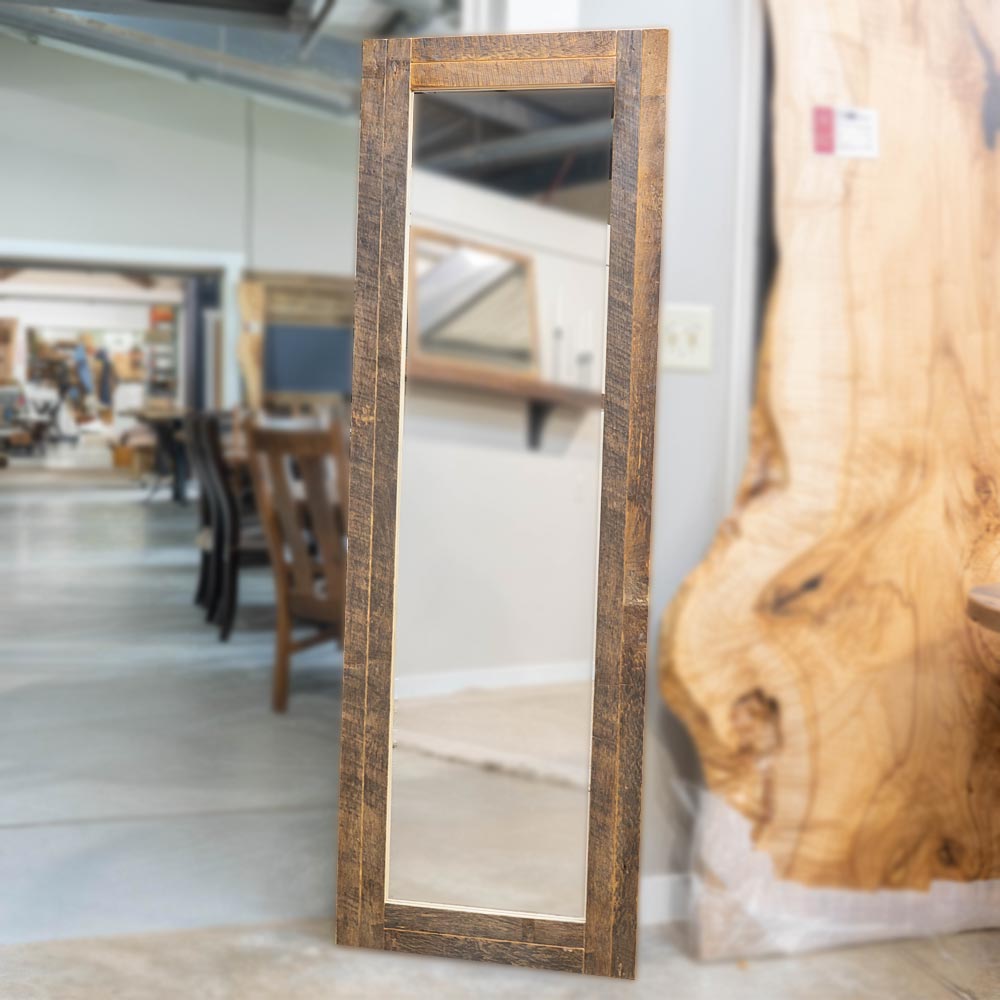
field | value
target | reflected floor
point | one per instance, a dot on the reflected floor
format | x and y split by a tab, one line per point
489	799
492	840
540	731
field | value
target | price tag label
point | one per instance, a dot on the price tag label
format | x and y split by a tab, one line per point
847	132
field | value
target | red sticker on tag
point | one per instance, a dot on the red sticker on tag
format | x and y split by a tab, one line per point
824	130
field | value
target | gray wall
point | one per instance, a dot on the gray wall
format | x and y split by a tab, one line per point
96	153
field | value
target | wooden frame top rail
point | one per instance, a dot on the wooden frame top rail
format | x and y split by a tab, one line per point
516	62
634	62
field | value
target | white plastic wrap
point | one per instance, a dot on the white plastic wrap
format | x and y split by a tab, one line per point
739	908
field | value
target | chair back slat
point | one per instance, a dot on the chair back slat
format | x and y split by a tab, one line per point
300	477
264	501
321	506
291	521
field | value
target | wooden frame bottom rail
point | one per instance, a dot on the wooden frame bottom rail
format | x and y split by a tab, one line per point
518	928
532	956
511	939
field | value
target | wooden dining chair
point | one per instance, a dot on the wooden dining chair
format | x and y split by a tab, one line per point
300	478
205	588
230	536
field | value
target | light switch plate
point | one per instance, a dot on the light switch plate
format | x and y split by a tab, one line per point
686	337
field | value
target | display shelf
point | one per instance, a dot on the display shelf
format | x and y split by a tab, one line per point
540	396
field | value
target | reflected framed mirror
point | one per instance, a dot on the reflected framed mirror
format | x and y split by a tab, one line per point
510	217
470	304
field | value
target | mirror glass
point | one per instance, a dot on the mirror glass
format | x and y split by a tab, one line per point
499	500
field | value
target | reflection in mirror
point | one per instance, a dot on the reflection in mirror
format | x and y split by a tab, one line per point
470	303
497	540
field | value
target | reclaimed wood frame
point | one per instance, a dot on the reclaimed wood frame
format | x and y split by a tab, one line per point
635	64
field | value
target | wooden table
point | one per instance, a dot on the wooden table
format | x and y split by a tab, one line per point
166	423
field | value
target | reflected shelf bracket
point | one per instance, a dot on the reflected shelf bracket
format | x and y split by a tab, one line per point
538	413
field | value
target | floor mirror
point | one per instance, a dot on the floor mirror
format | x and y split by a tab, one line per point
505	358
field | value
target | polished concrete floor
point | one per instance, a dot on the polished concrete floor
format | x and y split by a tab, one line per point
300	962
163	834
144	782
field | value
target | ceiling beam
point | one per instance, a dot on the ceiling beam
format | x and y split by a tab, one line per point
315	28
191	61
278	14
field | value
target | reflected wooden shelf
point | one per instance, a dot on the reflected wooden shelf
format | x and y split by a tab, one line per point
540	396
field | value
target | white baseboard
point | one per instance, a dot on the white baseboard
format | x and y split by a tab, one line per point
452	681
663	899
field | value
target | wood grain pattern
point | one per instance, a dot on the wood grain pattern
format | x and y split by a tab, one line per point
498	382
515	48
292	402
820	655
351	813
535	956
491	926
507	75
610	592
637	61
250	346
306	299
647	262
629	417
388	408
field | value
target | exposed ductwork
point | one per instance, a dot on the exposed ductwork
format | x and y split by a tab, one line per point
529	143
301	51
275	14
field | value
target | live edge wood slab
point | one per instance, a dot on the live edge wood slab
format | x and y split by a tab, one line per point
821	656
635	64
